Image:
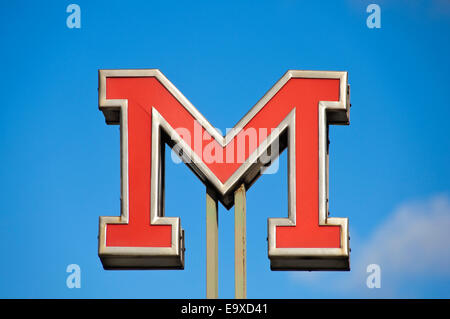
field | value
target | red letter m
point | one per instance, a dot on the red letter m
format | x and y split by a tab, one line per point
295	112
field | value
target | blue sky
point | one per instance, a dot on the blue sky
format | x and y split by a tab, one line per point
389	171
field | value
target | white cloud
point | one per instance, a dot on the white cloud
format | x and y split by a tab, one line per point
412	247
415	239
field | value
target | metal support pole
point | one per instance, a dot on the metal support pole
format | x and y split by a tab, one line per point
240	267
211	248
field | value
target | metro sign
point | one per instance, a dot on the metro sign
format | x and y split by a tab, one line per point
296	112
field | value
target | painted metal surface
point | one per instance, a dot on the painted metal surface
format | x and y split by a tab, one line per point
149	108
212	248
240	244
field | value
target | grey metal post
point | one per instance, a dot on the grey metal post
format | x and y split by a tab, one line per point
240	268
211	248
